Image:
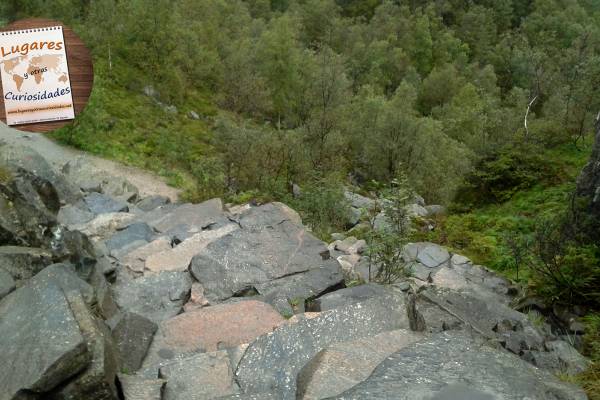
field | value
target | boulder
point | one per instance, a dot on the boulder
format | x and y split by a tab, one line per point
197	215
132	233
24	159
250	257
429	254
291	346
103	204
454	364
343	365
149	203
53	340
97	382
7	283
74	215
179	257
210	329
64	276
23	262
199	377
104	225
156	297
135	259
492	320
415	210
268	215
343	297
139	388
132	335
197	299
358	201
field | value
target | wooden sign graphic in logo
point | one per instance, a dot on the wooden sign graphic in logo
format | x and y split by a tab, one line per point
46	75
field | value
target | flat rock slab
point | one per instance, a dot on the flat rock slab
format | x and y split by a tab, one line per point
151	202
74	215
104	225
132	335
200	377
101	204
291	346
23	262
156	297
429	254
343	297
199	215
343	365
453	364
492	320
135	260
36	323
268	215
179	257
245	258
134	232
211	328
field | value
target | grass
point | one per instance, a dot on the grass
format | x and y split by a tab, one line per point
480	232
125	125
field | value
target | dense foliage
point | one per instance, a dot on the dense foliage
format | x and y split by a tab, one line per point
370	88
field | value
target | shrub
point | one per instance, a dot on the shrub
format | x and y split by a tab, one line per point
503	174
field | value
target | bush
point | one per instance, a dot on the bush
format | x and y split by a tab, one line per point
498	177
564	270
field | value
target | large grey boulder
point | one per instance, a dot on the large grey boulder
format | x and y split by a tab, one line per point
74	215
132	335
151	202
66	278
156	297
24	262
200	377
454	364
491	320
258	254
23	159
343	297
269	215
37	323
102	204
97	382
200	215
291	346
343	365
132	233
429	254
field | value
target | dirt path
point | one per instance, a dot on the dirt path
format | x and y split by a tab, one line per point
147	182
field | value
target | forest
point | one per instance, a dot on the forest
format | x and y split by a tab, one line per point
487	107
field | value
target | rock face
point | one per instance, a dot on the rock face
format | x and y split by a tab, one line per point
291	346
54	341
210	329
263	252
156	297
204	376
104	296
343	365
455	366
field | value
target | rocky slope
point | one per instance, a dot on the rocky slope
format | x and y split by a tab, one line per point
105	294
